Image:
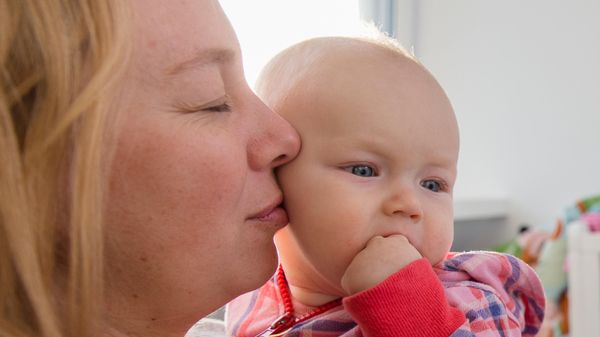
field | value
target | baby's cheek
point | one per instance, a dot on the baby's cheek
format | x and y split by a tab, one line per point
342	252
438	249
432	244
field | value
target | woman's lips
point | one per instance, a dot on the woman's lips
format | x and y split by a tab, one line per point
274	214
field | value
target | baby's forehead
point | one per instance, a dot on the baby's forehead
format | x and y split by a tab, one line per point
352	60
320	58
335	70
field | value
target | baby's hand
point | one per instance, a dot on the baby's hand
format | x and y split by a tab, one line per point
382	257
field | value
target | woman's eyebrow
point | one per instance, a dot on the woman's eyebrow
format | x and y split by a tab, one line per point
203	57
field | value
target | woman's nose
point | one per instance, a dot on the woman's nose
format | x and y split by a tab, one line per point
276	143
403	202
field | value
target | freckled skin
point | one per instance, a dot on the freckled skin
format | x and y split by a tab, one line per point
185	186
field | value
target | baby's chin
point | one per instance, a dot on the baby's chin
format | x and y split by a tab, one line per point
436	260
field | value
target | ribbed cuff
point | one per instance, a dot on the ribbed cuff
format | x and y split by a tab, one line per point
409	303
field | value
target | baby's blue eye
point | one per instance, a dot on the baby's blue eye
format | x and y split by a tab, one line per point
432	185
362	170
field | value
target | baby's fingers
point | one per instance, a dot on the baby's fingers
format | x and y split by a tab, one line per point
381	257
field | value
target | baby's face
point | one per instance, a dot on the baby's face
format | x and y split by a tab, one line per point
378	157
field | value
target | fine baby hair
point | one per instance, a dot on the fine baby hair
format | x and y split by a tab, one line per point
295	63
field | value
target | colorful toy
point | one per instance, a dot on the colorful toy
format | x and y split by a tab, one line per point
547	254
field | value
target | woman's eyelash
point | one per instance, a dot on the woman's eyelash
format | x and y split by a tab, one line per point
210	107
225	107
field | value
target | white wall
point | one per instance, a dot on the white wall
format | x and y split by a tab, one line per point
264	28
524	79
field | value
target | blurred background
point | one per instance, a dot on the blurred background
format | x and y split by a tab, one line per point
524	80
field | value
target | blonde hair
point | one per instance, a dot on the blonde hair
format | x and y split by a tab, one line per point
293	65
59	61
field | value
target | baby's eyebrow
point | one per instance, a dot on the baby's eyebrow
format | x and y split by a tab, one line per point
203	57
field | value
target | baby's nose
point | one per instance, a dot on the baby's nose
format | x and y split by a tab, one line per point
403	202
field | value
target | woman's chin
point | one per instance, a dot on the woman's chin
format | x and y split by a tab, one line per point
257	270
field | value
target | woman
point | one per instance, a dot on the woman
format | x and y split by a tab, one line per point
137	192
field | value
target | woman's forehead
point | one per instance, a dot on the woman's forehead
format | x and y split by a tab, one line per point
185	33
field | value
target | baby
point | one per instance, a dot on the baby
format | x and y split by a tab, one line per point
369	199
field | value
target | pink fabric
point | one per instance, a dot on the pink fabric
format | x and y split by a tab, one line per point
469	294
593	221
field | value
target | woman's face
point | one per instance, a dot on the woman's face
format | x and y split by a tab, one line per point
193	203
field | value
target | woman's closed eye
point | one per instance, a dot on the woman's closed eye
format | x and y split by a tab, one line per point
225	107
434	185
222	104
361	170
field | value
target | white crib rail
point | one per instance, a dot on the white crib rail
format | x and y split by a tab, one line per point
584	281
